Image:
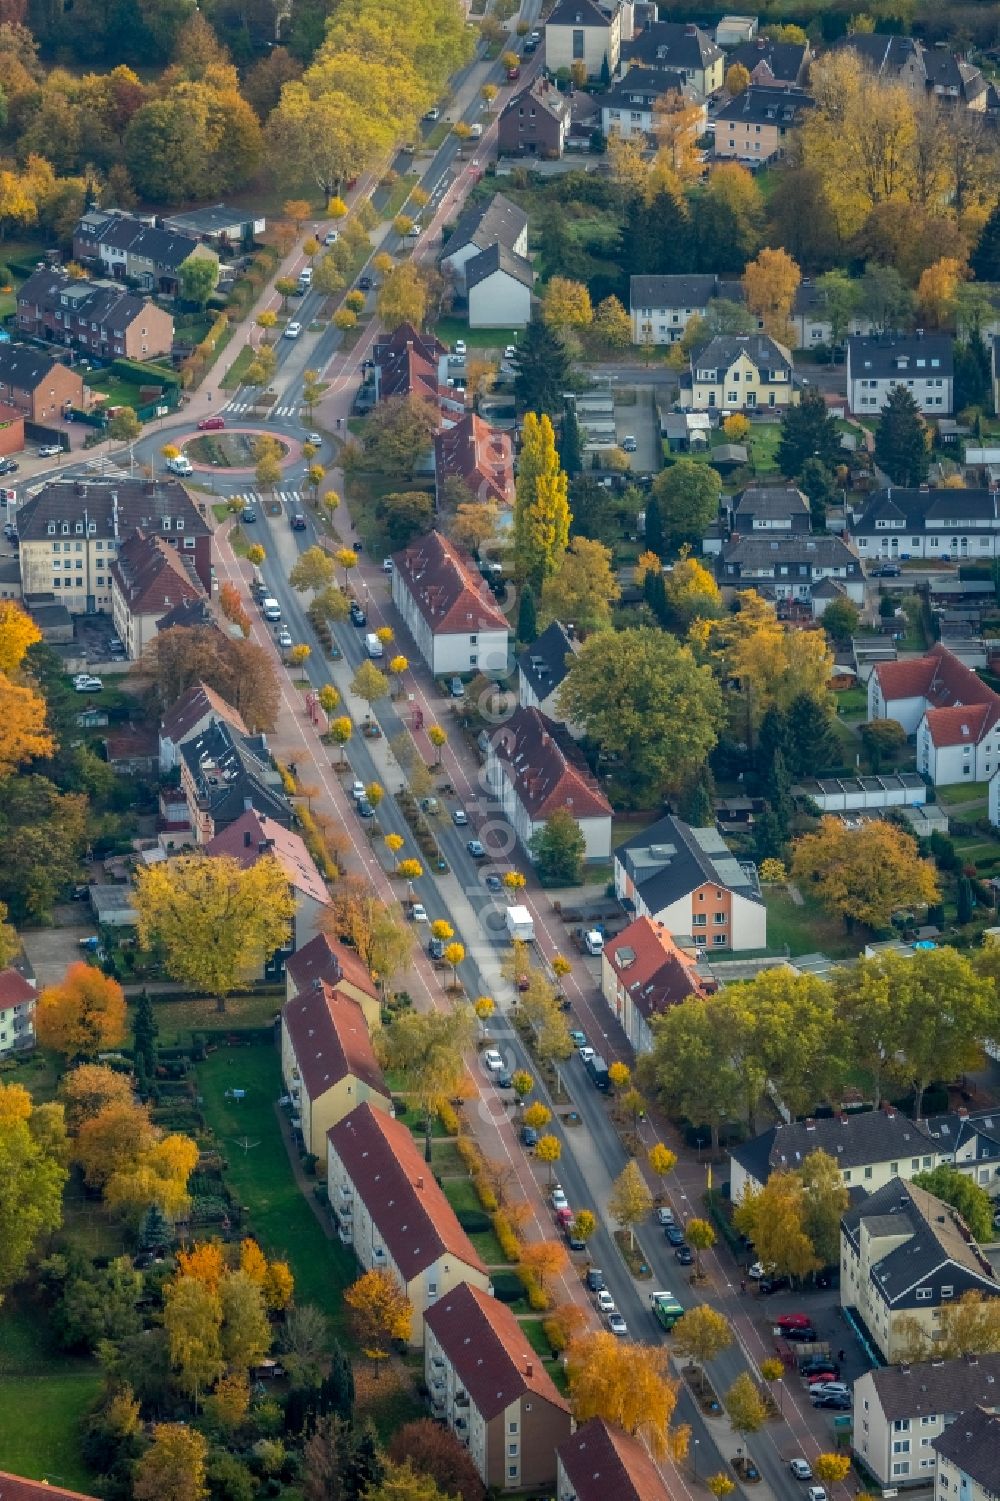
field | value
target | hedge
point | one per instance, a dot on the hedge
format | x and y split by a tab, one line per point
138	373
507	1286
473	1221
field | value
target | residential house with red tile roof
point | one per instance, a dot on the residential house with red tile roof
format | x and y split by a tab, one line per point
328	1062
533	767
478	456
17	1012
16	1488
954	714
149	578
447	608
252	837
601	1461
489	1386
643	974
339	967
393	1213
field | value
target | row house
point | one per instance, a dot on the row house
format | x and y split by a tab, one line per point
756	125
924	71
629	108
394	1215
773	63
37	385
94	316
342	971
792	568
600	1460
944	525
190	717
542	669
661	307
968	1457
901	1410
131	250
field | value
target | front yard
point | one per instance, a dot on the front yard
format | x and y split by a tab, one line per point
806	929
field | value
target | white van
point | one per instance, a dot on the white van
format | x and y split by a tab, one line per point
373	645
180	465
270	608
594	942
305	279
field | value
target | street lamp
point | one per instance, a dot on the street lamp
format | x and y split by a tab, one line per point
694	1445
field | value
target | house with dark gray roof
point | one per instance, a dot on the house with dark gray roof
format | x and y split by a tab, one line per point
771	62
662	306
228	228
739	373
535	121
790	567
500	221
945	525
39	385
770	508
969	1455
132	250
96	316
756	126
904	1256
629	107
689	880
922	363
223	773
682	46
901	1410
869	1146
542	669
584	32
498	284
922	70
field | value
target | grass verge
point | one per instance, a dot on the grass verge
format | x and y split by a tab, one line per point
44	1398
236	373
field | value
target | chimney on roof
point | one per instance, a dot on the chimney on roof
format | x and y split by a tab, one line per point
962	1113
420	1182
529	1369
890	1114
262	846
810	1124
842	1118
690	29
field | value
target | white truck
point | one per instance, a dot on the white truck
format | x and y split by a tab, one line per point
520	924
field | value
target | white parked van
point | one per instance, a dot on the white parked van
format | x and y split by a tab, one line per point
373	645
270	608
180	465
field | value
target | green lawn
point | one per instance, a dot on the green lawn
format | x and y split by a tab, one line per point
177	1020
235	375
806	929
462	1196
118	392
450	329
398	194
259	1171
852	703
963	792
44	1397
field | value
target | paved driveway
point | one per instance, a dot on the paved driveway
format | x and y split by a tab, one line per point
51	951
641	421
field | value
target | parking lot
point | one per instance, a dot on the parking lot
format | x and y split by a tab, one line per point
640	420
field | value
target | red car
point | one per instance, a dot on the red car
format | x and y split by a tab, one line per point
513	74
793	1321
564	1217
211	424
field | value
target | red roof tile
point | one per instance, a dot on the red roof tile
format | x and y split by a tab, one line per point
14	988
192	707
16	1488
962	726
323	958
654	971
479	455
446	589
601	1461
412	1214
546	767
489	1351
254	835
940	677
151	576
330	1039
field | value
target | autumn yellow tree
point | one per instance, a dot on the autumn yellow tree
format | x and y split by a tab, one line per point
582	588
82	1016
769	286
774	1217
566	304
192	1318
173	1467
702	1334
113	1141
541	508
691	591
32	1176
205	1262
214	922
937	292
623	1383
677	126
863	874
381	1313
541	1262
17	632
402	297
23	733
88	1088
159	1176
737	79
630	1199
832	1469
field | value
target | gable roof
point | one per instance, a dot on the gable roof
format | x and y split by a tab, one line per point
601	1461
410	1211
882	51
253	835
860	1139
960	708
546	768
763	352
674	291
229	770
489	1351
25	369
671	859
167	249
189	615
497	257
545	663
972	1443
479	455
446	589
326	958
543	94
878	356
17	1488
643	86
482	224
937	1386
192	707
770	502
931	510
151	575
783	60
936	1241
652	968
108	305
330	1040
579	13
765	550
14	988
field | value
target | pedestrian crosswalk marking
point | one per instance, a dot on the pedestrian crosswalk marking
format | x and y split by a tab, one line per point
285	409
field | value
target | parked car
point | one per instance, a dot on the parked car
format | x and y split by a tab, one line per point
617	1325
493	883
492	1060
456	688
292	330
786	1321
564	1217
674	1235
819	1363
433	114
760	1269
459	348
476	849
820	1378
459	817
435	948
211	424
358	616
331	237
284	638
9	466
578	1039
365	809
529	1136
586	1053
85	682
816	1493
50	450
830	1389
595	1279
801	1469
605	1302
840	1402
365	283
629	445
805	1336
387	565
684	1255
665	1216
558	1197
772	1284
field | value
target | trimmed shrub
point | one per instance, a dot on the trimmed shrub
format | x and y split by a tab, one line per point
507	1287
473	1221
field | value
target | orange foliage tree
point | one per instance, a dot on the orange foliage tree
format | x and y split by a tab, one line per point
84	1015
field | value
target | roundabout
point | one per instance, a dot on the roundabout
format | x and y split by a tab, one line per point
234	450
